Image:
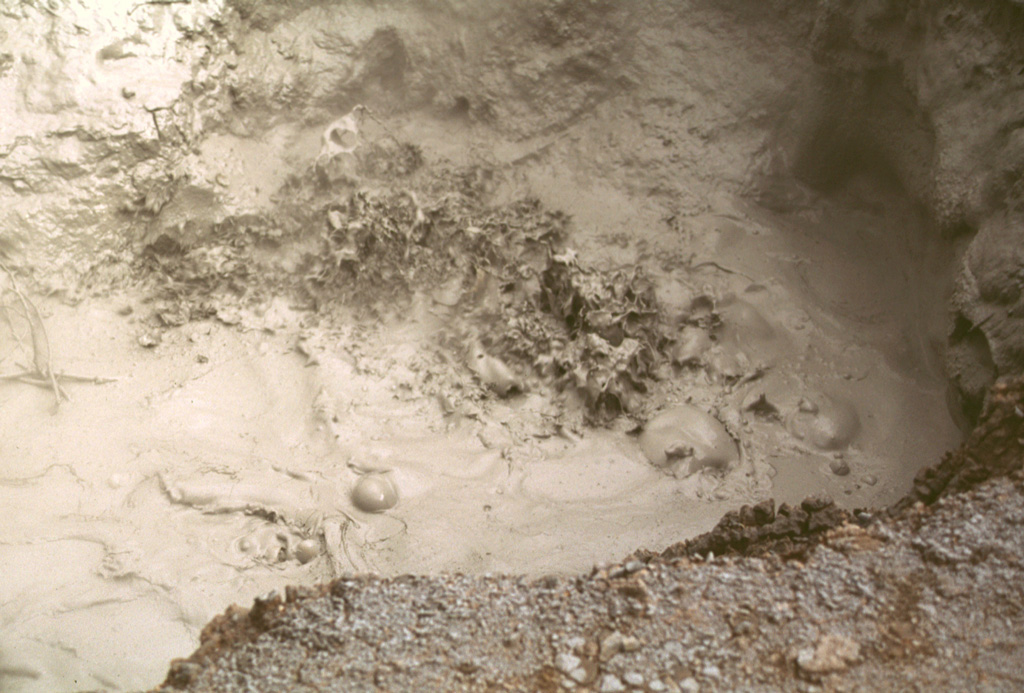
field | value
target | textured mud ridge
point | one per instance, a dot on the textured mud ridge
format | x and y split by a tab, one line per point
920	595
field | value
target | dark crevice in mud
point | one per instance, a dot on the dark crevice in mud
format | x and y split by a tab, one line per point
976	371
854	131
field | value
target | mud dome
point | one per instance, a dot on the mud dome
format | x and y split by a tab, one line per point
453	287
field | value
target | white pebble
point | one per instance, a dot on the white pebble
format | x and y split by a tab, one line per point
611	646
611	684
565	663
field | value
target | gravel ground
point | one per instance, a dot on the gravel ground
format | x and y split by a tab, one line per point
931	601
929	597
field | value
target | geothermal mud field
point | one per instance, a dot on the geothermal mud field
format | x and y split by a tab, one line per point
292	292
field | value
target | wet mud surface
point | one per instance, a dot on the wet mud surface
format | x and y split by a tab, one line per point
540	292
929	595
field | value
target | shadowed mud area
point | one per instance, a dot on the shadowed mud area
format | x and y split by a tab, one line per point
295	291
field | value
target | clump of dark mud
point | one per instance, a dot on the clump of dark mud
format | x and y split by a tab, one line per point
504	275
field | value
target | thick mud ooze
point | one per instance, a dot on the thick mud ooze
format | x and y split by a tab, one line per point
290	294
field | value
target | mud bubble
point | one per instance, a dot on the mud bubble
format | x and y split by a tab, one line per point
743	324
827	423
306	550
374	493
686	440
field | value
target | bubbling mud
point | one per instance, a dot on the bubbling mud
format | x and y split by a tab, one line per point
306	550
827	423
374	493
230	462
272	445
743	324
685	440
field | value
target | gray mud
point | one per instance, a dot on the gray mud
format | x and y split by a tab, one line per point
571	282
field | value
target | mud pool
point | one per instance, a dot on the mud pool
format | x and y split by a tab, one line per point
221	464
233	455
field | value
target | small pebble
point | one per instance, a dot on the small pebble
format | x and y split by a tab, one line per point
673	648
611	646
689	685
633	678
579	674
870	479
657	686
565	663
630	644
611	684
711	671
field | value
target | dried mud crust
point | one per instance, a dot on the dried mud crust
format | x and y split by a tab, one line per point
924	594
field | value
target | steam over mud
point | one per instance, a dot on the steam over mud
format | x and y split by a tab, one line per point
428	287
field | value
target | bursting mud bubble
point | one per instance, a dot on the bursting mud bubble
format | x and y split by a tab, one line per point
296	292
